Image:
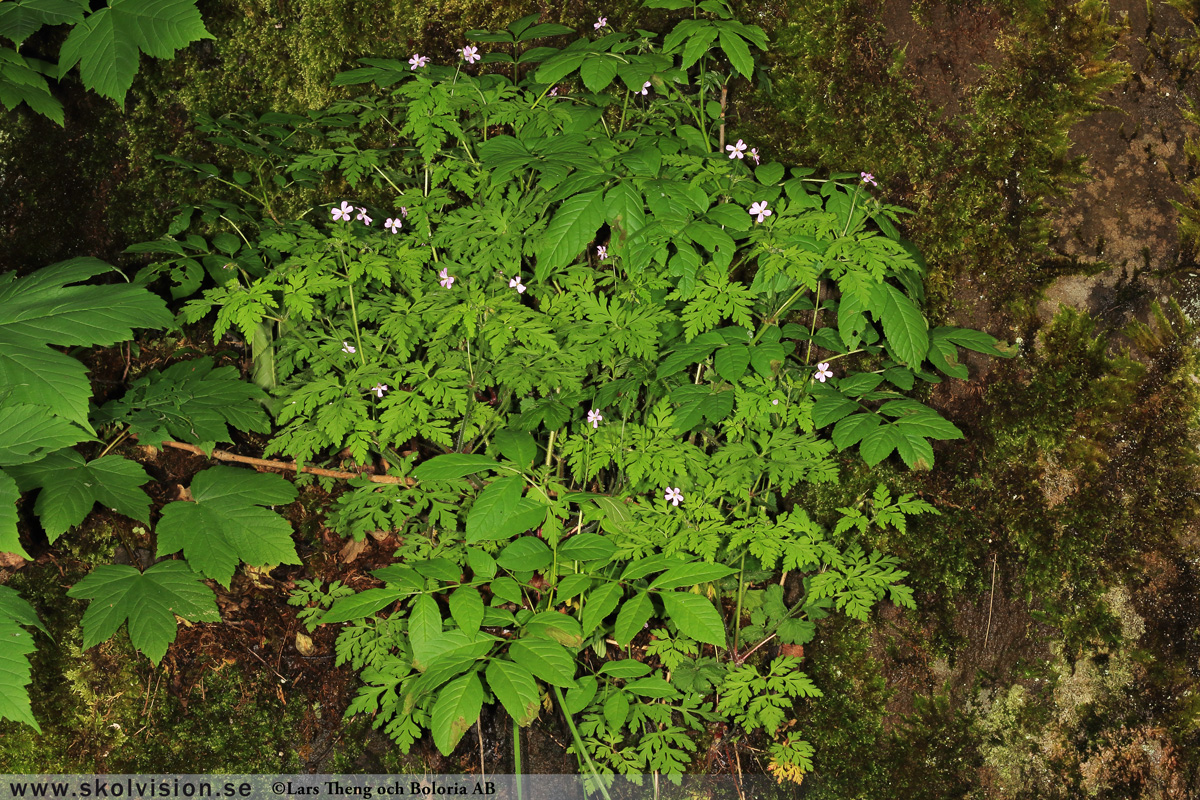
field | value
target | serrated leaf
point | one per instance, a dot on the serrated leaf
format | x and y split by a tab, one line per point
625	668
850	430
517	446
548	660
598	71
457	707
652	686
738	52
516	690
731	361
20	18
466	607
45	377
587	547
225	524
525	554
903	325
877	444
557	627
482	564
29	433
10	540
15	646
498	501
453	465
581	696
599	604
695	616
424	628
70	488
148	600
574	225
108	43
690	575
361	604
616	710
633	616
20	83
915	450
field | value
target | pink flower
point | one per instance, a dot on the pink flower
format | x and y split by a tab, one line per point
646	88
754	154
393	224
736	150
761	210
600	23
343	212
674	496
594	418
362	215
602	252
470	54
446	280
347	348
823	372
515	283
554	92
404	212
417	61
379	389
774	402
868	178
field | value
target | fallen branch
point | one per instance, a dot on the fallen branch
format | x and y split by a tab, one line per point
290	466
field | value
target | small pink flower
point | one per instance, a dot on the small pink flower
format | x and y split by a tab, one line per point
446	280
594	418
417	61
602	252
470	54
754	154
515	283
362	215
823	372
646	88
379	389
674	496
404	212
774	402
343	212
868	178
347	348
761	210
393	225
554	92
600	23
736	150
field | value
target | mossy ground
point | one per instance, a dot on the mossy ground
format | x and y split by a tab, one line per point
1054	653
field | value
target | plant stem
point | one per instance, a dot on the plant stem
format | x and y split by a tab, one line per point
562	703
517	756
737	620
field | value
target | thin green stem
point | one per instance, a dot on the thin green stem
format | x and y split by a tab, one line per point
585	756
517	757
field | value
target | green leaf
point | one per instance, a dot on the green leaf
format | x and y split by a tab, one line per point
652	686
424	628
556	626
587	547
15	646
110	41
580	697
457	707
769	174
21	82
634	615
30	433
598	71
695	616
616	710
731	361
482	564
544	30
70	488
915	450
517	446
516	690
738	52
978	341
498	501
877	444
903	325
149	600
361	604
573	226
453	465
830	406
507	590
225	524
20	18
548	660
599	604
10	540
466	607
850	430
690	575
625	668
440	569
525	554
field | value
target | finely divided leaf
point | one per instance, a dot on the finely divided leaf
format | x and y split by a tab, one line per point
149	600
225	524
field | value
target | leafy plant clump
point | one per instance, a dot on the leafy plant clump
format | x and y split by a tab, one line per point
579	364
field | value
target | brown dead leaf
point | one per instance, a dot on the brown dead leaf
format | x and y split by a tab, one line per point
352	550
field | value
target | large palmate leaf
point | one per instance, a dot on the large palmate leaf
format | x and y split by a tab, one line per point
108	44
225	524
149	600
70	487
44	309
191	402
23	80
20	18
28	433
16	644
